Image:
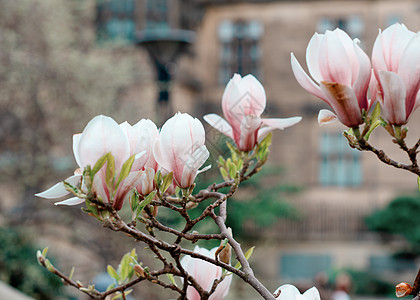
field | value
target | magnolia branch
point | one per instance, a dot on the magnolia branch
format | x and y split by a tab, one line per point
413	168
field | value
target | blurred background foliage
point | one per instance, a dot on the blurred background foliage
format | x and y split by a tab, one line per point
399	217
19	268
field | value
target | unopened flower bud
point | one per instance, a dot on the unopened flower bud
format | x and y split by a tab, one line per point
139	270
403	289
225	254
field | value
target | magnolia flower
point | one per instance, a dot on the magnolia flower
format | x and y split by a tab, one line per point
142	137
341	74
396	64
101	135
243	103
290	292
180	148
205	273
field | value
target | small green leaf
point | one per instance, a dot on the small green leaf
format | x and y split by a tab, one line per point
71	273
231	148
224	173
167	180
111	286
158	178
249	252
125	170
113	273
99	164
45	251
145	202
171	279
375	113
49	266
418	182
110	170
372	127
247	256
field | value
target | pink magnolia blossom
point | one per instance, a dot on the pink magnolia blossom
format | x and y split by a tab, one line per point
290	292
142	137
243	103
180	148
341	73
205	273
396	64
101	135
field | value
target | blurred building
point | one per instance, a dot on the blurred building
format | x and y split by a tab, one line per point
341	185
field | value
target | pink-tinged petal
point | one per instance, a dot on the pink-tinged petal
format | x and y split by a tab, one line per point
373	89
126	187
334	62
71	201
361	85
102	135
140	160
378	59
76	141
305	81
193	163
326	117
59	190
409	71
219	123
276	123
394	40
162	159
392	98
147	184
348	45
246	138
258	99
222	289
147	133
100	188
242	96
312	57
312	294
281	123
343	102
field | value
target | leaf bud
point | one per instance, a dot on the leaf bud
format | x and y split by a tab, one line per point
139	270
403	289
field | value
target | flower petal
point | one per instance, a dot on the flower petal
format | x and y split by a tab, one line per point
344	103
100	136
334	61
219	123
288	292
326	117
312	294
312	57
392	98
70	201
193	163
361	85
59	190
76	141
281	123
304	80
409	71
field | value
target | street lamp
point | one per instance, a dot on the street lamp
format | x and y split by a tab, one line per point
164	47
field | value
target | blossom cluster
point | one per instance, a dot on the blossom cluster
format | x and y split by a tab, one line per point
344	77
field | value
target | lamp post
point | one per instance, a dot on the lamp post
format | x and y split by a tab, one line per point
164	47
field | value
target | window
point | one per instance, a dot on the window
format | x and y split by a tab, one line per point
353	25
304	266
157	14
340	164
239	49
116	20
